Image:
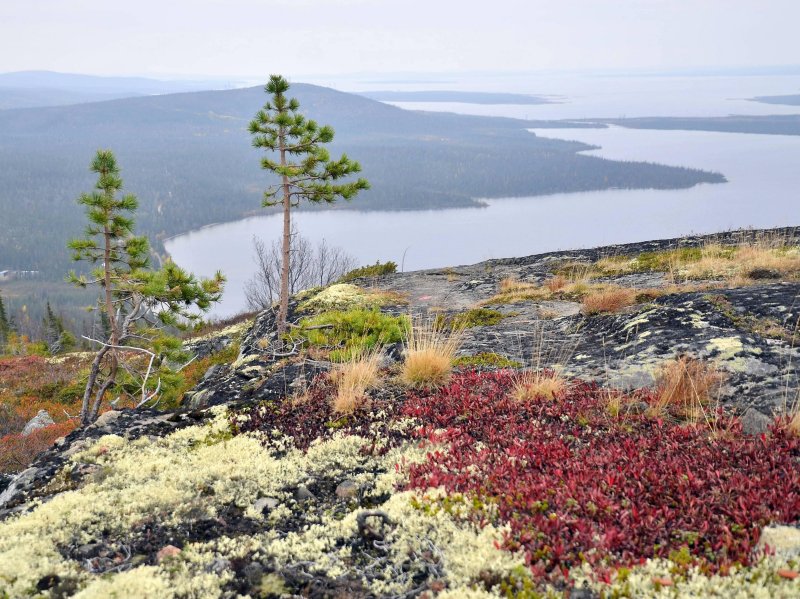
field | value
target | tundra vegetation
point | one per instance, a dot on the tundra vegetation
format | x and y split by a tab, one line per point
404	468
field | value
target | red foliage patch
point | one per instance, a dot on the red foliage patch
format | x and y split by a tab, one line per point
17	452
576	485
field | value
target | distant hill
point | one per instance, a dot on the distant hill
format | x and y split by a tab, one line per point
789	100
455	96
28	89
189	159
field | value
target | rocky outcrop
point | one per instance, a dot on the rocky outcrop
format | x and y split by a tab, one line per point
41	420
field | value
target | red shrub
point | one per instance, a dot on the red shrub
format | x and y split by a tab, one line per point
17	452
575	485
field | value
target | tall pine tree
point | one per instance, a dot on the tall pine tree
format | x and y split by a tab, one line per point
137	302
296	154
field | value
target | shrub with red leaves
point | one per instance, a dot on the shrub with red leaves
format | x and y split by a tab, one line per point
576	485
18	451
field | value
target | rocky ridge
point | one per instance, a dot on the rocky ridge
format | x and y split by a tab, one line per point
747	331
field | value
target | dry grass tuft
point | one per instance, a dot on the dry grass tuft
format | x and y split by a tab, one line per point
430	350
353	379
557	283
608	301
539	384
685	387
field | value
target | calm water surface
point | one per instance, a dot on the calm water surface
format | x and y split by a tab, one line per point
763	191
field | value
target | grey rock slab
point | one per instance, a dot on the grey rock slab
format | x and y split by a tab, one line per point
754	422
347	489
41	420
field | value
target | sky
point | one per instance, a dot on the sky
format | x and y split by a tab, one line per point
250	38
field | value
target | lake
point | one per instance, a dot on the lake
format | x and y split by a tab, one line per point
763	189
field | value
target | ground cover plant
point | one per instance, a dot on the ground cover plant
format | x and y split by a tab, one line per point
29	384
577	487
767	257
344	334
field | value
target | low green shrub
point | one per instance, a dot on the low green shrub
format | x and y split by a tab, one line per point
348	333
477	317
373	270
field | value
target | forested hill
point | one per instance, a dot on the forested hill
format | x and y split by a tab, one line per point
189	159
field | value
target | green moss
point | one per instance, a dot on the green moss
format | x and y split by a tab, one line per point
477	317
486	359
347	333
374	270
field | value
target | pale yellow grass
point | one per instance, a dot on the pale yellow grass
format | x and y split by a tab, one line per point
685	387
430	350
540	384
353	379
608	301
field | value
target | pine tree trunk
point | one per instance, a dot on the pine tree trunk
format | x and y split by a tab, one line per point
283	310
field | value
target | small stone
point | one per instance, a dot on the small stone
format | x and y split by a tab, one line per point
265	504
783	541
754	422
167	552
347	489
253	572
219	565
88	550
41	420
303	494
664	582
107	418
788	574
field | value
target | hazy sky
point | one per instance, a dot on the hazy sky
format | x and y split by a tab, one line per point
246	38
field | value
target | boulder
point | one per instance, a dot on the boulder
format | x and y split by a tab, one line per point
755	422
41	420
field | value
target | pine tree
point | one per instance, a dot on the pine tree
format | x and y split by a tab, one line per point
297	156
5	325
137	302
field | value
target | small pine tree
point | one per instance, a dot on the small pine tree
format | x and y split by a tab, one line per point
53	328
5	325
303	164
138	303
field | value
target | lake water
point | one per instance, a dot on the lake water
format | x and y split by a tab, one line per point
763	188
763	191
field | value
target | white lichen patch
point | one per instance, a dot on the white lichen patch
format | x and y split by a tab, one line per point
761	581
234	331
345	296
192	474
725	348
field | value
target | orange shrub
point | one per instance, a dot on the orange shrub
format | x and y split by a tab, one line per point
17	452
